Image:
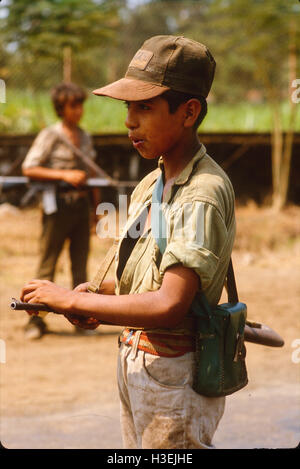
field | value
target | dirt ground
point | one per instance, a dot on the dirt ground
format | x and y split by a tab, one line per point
61	391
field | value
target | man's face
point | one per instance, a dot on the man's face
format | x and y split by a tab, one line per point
153	130
72	112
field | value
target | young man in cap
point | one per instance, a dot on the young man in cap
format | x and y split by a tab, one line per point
165	89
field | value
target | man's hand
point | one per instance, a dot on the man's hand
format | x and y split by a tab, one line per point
58	298
46	292
82	321
75	177
82	287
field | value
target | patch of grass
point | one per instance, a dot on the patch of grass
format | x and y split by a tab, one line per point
28	112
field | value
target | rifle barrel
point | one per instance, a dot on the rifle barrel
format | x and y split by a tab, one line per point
11	181
255	333
20	305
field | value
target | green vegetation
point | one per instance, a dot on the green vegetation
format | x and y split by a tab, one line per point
255	45
29	112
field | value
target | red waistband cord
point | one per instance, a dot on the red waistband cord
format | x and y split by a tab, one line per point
160	344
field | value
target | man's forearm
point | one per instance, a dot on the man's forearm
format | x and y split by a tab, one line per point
140	310
165	307
42	173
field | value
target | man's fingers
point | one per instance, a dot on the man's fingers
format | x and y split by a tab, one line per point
27	290
32	297
32	313
82	287
31	286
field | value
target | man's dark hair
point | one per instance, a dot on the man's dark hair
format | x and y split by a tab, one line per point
175	98
66	92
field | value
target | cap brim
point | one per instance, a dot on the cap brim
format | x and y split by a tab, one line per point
129	89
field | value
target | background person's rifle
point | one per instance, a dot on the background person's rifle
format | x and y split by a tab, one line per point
10	182
47	187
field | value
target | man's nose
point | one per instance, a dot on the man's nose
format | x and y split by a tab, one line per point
131	120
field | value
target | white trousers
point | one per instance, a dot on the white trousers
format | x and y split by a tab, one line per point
159	409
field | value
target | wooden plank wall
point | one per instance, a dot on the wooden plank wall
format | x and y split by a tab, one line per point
245	157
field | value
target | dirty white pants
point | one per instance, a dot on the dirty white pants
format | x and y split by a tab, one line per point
159	409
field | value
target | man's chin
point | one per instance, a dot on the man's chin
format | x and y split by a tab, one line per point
148	156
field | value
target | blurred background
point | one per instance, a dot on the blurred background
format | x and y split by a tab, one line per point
61	392
255	44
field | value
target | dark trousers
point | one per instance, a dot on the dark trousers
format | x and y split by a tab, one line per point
71	221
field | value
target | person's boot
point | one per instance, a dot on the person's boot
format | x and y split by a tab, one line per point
35	328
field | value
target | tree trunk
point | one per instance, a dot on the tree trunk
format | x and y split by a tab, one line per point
67	64
282	150
276	148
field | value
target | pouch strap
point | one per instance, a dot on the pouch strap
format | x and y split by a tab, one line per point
231	285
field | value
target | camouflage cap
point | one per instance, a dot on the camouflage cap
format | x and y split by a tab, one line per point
161	64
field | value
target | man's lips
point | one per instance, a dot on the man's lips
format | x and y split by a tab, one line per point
136	140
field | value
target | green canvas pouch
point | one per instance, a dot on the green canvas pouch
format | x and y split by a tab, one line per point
220	349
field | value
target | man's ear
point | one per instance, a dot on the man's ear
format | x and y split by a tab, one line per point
192	111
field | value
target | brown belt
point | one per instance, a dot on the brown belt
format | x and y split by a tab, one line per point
161	344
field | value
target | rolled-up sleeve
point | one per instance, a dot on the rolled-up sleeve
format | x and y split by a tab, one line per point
197	236
39	152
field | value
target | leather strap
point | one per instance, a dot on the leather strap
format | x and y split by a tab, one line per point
96	283
231	285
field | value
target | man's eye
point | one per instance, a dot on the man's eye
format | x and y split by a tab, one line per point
144	107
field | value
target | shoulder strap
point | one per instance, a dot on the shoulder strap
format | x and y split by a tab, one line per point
159	230
86	160
95	284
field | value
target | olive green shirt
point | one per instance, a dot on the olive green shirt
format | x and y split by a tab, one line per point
199	210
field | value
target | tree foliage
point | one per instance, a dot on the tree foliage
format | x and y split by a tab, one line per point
43	28
255	45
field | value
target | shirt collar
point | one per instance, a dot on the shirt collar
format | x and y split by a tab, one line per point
183	177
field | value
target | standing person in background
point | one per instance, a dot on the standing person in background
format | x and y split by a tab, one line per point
68	215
